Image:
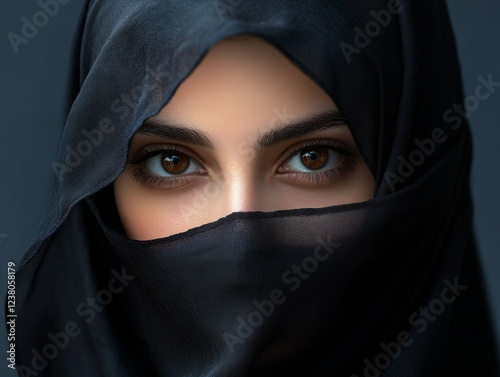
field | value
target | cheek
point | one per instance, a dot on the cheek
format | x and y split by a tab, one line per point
149	214
353	190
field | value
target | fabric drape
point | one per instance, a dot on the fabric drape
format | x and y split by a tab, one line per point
388	287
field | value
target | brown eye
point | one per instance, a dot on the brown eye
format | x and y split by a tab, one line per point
314	159
170	163
174	162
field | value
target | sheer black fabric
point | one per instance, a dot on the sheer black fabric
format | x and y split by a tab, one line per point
389	287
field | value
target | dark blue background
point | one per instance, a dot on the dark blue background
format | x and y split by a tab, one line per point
32	97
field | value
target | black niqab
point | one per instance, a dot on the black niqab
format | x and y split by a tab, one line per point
388	287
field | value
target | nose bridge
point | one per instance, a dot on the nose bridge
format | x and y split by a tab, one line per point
241	189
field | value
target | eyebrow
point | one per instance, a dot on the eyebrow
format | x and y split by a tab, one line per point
316	122
157	127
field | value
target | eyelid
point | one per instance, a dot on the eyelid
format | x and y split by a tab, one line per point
138	158
333	175
152	150
338	146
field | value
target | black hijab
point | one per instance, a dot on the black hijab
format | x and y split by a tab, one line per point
389	287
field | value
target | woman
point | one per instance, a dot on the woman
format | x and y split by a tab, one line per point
259	188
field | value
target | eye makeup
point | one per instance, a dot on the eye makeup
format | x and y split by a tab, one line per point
317	162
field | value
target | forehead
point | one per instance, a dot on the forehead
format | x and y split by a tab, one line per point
244	81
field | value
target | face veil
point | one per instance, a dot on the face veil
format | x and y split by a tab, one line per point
388	287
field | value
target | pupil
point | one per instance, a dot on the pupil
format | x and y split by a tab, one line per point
315	159
174	163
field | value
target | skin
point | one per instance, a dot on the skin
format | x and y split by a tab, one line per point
243	88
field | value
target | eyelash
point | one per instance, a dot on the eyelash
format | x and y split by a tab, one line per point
140	175
340	171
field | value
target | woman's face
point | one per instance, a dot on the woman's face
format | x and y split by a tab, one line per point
246	131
